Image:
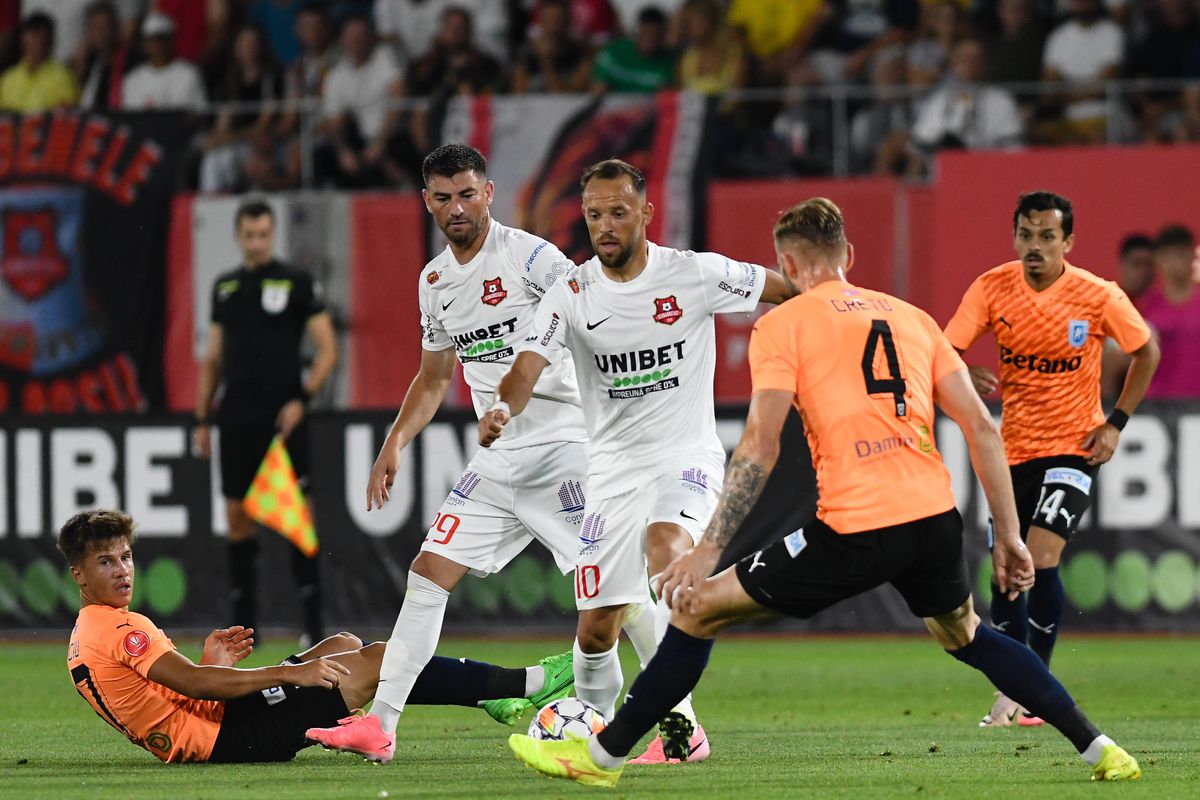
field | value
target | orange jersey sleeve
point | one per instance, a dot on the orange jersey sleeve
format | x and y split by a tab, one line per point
110	657
862	366
1123	322
1051	343
971	319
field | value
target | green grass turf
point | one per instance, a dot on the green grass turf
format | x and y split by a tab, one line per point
792	717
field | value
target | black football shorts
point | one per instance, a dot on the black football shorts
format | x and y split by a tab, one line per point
1052	493
270	725
815	567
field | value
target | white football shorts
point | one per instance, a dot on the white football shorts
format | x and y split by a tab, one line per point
611	569
507	498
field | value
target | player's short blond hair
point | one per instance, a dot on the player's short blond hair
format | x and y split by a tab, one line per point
816	223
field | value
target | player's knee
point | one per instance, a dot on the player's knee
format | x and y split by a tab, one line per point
702	618
956	629
349	640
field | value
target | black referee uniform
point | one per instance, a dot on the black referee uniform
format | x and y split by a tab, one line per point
263	314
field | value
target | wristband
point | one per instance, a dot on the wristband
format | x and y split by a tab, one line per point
201	422
500	405
1118	419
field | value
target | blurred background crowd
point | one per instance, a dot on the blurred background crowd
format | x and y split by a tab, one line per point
348	93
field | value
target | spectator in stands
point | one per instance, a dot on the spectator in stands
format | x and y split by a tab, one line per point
963	112
411	26
879	130
455	64
1172	308
552	59
804	126
68	18
100	60
775	33
253	77
37	82
1166	51
940	25
277	19
1135	273
1087	48
859	29
595	21
638	64
361	118
1014	51
164	81
627	10
306	74
713	60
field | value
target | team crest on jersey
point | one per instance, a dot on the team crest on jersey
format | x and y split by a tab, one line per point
1077	332
667	310
433	277
275	295
574	285
136	643
493	291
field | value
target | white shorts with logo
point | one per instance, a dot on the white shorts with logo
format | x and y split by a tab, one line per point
611	569
507	498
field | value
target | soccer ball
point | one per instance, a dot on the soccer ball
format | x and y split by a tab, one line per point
567	718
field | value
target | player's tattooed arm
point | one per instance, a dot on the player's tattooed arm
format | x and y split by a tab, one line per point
743	484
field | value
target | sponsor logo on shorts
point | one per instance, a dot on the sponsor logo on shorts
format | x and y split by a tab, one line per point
493	291
1070	477
466	484
667	310
695	480
274	695
136	643
1077	332
570	495
795	542
591	534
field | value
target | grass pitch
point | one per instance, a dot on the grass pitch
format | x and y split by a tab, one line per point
789	717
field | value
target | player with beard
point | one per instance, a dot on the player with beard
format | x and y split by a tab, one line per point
1050	319
478	298
638	321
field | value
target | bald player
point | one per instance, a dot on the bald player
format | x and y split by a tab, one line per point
1051	320
865	370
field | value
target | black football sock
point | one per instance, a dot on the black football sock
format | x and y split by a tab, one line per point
243	582
462	682
1045	612
1009	616
668	678
1017	671
306	573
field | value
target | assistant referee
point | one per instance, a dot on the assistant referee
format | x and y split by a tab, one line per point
260	312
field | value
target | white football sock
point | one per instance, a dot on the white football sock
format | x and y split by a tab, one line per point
535	680
602	757
598	678
1096	749
410	647
639	626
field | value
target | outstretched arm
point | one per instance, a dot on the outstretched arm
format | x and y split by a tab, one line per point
1011	562
425	394
512	395
210	682
749	468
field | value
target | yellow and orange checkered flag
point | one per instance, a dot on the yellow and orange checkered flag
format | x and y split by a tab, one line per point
274	499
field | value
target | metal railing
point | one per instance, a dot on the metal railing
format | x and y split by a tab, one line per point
839	101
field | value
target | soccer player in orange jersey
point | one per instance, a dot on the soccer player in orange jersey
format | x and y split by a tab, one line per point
865	370
136	681
1050	319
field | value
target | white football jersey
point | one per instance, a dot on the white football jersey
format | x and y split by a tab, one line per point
645	353
484	309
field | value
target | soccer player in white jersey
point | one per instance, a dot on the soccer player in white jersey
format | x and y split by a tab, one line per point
638	321
477	300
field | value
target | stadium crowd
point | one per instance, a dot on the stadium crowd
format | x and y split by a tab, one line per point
915	75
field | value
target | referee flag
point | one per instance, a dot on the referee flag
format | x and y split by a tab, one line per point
274	499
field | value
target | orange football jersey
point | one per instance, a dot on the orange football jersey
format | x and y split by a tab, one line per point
1051	344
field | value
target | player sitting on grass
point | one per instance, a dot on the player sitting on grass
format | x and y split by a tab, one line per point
136	681
865	370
